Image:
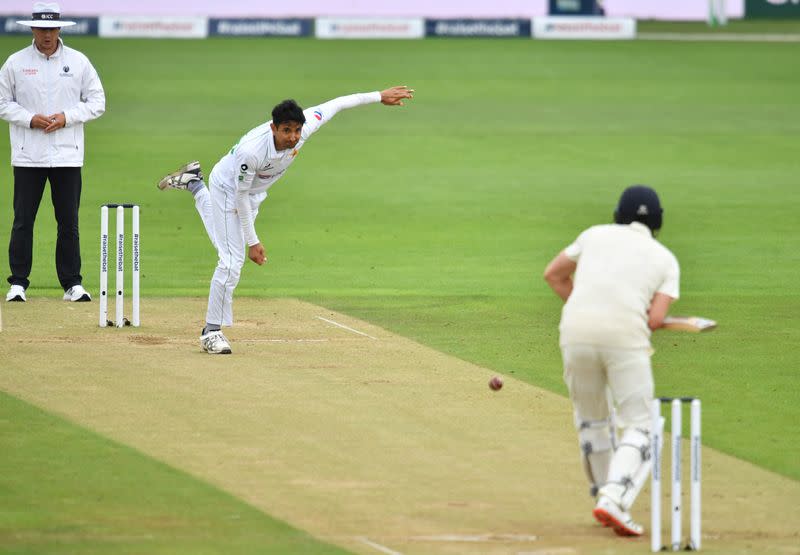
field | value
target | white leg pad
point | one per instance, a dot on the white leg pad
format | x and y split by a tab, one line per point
629	468
596	451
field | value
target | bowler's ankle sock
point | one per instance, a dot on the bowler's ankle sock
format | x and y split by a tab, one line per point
195	186
211	327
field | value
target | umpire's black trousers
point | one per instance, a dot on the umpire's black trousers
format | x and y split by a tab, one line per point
65	191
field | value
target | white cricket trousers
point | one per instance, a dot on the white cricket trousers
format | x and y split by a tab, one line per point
217	209
589	369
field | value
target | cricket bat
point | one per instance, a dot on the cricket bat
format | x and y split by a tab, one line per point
694	324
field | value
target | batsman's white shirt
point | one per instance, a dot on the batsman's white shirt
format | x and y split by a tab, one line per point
619	269
253	165
239	184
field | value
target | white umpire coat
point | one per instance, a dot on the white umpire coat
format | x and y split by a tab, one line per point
32	83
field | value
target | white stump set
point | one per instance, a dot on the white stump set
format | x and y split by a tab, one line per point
119	317
657	435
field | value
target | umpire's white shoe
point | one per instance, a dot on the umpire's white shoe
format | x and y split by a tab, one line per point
610	514
77	294
214	343
16	294
180	178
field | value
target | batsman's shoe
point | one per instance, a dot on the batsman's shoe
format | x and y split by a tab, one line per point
214	343
16	294
77	294
610	514
180	178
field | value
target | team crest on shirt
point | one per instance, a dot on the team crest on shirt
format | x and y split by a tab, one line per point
318	115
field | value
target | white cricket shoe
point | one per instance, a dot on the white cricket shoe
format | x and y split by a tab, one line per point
610	514
16	294
214	343
77	294
180	178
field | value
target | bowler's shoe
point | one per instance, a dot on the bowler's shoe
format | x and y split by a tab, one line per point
214	343
180	178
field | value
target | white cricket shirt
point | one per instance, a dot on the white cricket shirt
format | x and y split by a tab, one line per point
620	268
253	165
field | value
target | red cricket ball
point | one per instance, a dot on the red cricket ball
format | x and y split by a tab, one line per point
496	383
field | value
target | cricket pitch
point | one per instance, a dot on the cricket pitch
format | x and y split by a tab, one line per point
360	437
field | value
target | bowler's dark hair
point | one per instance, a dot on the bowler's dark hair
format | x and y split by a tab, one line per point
288	110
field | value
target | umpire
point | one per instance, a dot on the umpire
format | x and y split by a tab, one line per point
47	92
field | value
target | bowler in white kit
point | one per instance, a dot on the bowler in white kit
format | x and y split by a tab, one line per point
238	184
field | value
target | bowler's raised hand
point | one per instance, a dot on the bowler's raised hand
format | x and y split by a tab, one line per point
395	95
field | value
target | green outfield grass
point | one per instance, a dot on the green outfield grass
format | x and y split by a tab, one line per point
436	220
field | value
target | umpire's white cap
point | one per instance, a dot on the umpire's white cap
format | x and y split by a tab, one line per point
46	15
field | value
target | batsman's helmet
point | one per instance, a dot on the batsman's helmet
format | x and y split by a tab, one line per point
639	203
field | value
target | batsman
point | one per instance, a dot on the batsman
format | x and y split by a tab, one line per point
617	282
238	185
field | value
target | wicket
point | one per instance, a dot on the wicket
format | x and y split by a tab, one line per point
657	435
119	320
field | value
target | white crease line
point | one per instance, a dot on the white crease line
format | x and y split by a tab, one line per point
479	538
282	340
379	547
344	327
550	551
